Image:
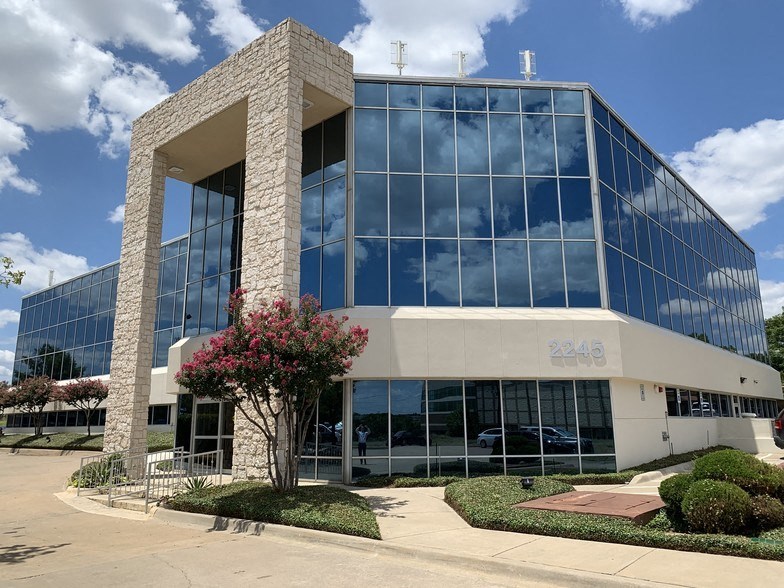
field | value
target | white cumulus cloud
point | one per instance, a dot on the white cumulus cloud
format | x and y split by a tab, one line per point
433	30
13	140
8	317
772	297
117	215
6	364
648	13
740	173
37	261
235	27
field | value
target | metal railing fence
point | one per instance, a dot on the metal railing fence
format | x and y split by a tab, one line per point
181	472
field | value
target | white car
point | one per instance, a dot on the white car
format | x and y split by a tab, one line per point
488	437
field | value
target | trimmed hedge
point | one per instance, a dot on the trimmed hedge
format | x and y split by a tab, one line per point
156	441
672	491
710	506
767	512
488	503
743	470
324	508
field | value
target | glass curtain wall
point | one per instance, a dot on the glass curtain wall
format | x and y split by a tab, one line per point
478	427
214	249
323	238
472	196
171	296
670	260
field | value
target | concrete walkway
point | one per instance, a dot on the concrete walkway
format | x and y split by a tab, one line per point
425	543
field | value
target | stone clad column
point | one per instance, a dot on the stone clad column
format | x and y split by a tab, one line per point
137	289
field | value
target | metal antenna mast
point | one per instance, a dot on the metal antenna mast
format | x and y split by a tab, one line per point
528	64
399	55
459	58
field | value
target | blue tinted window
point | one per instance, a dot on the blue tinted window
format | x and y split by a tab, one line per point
215	198
370	140
662	299
511	273
649	191
504	99
442	272
209	305
310	273
199	210
604	155
610	217
476	263
688	326
508	207
675	306
543	215
472	156
576	209
656	246
568	101
311	156
650	310
643	242
439	142
474	206
626	221
633	295
370	204
406	277
311	217
615	283
334	146
621	171
547	279
440	206
538	145
405	206
437	97
333	276
370	272
536	101
572	149
369	94
404	141
600	113
403	96
469	98
506	151
582	277
335	209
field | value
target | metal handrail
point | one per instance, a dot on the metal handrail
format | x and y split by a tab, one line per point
179	468
87	461
129	472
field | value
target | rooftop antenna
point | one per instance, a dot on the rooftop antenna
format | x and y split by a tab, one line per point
399	55
528	64
51	278
459	58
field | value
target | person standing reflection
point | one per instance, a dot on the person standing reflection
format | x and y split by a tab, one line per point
363	432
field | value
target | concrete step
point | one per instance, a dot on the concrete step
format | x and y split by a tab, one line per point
136	504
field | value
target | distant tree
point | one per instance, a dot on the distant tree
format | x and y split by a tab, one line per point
31	396
8	276
774	330
85	395
49	360
272	364
5	396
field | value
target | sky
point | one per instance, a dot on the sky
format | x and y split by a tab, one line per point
698	80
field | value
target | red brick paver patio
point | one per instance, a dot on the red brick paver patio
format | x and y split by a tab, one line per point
637	508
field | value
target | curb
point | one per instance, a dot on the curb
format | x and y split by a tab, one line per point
527	573
641	479
39	451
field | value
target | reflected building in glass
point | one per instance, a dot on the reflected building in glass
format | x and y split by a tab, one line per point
543	292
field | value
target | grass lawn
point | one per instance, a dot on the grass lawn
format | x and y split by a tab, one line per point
77	441
325	508
487	503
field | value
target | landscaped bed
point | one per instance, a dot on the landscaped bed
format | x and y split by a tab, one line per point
156	441
324	508
488	503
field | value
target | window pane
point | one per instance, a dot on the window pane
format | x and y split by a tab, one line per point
310	273
406	272
559	422
370	204
538	145
369	94
543	214
621	170
212	250
472	156
572	149
470	98
370	140
604	155
441	270
370	405
536	101
333	276
511	273
335	209
615	279
582	277
403	96
311	156
335	146
506	151
474	206
445	405
508	207
437	97
568	101
633	295
440	206
650	309
476	261
576	209
439	142
199	211
405	206
215	198
610	217
404	141
594	412
370	272
504	99
626	222
408	420
547	274
209	305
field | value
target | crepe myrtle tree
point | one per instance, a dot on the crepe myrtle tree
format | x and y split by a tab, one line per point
31	396
272	364
85	395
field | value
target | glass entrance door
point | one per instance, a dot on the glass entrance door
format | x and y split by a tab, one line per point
213	428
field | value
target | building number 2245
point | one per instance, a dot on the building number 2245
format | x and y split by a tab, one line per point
571	348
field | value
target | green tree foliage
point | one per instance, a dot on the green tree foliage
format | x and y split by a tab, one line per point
49	360
85	395
774	330
31	396
7	275
272	364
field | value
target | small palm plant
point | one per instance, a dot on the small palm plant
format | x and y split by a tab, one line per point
197	483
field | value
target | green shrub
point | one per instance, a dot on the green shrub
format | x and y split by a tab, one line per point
743	470
97	473
672	490
711	506
767	512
